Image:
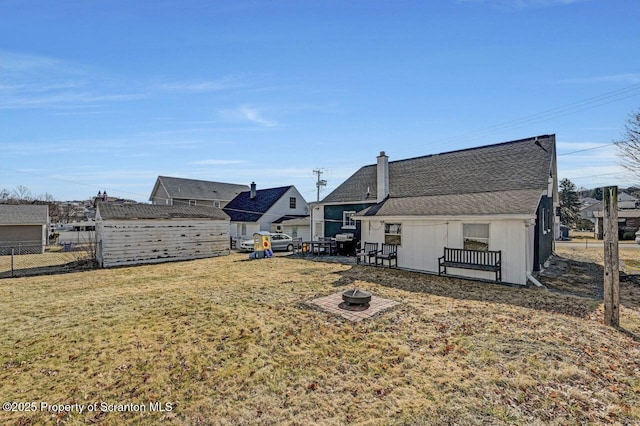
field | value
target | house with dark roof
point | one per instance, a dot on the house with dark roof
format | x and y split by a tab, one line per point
192	192
132	234
264	210
23	227
499	197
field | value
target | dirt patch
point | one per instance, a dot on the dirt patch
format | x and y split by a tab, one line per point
567	275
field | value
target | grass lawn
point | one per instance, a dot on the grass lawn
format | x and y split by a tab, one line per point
228	341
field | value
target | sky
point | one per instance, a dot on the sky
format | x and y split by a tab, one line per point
107	95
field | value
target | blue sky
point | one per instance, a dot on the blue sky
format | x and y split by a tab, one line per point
108	95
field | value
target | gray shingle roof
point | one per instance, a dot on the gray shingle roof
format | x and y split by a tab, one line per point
509	166
244	209
484	203
200	189
110	211
23	214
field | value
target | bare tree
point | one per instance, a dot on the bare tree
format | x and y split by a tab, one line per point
629	145
4	195
22	194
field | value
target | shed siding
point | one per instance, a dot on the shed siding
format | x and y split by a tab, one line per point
122	242
423	241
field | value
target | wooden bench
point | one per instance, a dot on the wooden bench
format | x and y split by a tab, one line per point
479	260
389	252
367	252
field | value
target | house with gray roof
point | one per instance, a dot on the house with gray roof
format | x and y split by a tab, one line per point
23	227
500	197
265	210
627	201
192	192
133	234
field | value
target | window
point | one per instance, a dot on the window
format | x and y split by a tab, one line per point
292	202
192	202
475	236
294	231
216	204
244	229
546	220
347	220
393	233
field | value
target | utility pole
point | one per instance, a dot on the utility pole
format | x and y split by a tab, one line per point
611	259
320	182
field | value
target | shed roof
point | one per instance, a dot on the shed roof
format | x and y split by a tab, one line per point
199	189
245	209
109	211
24	214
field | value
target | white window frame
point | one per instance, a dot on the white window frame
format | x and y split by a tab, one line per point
216	204
393	233
479	239
293	202
347	220
192	202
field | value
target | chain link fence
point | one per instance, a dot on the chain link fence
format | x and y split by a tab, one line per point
28	258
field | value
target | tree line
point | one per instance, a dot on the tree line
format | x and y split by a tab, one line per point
58	212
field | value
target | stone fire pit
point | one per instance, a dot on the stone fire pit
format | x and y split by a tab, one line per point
356	297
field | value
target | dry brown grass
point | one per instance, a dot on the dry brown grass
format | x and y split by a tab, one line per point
36	260
227	341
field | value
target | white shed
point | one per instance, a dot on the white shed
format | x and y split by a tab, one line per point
141	233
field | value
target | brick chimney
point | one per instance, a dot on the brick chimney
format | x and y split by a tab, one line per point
253	190
383	176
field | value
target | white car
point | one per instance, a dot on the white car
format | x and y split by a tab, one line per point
279	242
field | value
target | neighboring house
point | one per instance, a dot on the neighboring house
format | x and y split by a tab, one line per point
628	223
299	227
173	191
142	233
587	201
257	210
76	232
586	212
497	197
626	201
23	227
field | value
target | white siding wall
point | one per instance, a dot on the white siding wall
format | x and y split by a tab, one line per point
317	224
131	242
281	208
236	230
304	232
423	241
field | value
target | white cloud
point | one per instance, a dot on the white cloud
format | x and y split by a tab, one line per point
247	113
256	116
627	78
523	3
216	162
31	81
225	83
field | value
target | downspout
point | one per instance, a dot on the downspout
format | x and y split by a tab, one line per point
533	280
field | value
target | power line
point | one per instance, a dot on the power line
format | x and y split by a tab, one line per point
320	182
586	149
561	111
